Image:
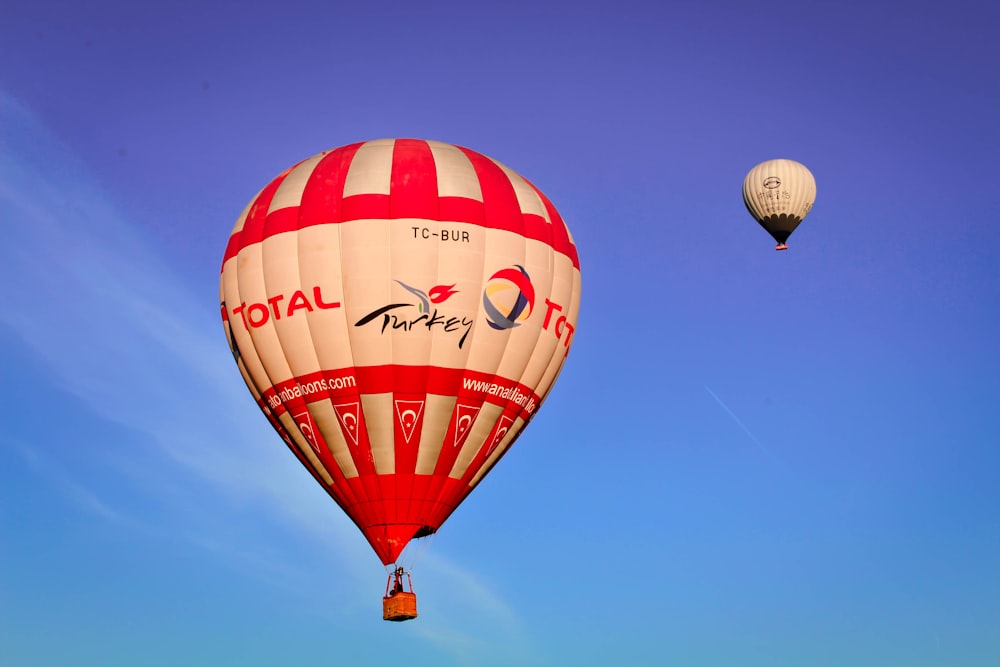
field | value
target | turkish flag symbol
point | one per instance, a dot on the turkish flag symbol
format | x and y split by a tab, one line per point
409	413
347	415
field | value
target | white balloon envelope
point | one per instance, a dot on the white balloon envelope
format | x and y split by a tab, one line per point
779	194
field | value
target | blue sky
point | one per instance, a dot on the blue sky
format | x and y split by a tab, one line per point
751	458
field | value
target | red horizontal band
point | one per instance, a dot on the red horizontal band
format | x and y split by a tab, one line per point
411	380
413	194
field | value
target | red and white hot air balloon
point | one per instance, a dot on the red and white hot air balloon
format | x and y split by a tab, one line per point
400	309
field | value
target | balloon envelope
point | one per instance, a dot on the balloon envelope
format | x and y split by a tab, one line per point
779	195
399	309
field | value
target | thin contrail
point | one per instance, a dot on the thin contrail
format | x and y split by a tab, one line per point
740	423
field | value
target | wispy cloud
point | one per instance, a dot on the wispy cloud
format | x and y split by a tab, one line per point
66	485
467	597
116	327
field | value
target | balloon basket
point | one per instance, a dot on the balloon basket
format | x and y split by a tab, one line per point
399	607
781	246
399	604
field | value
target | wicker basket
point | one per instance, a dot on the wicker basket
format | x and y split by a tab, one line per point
401	606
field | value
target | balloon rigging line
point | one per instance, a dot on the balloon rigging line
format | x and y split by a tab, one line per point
740	423
421	545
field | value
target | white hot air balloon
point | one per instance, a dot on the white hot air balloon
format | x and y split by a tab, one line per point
779	195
